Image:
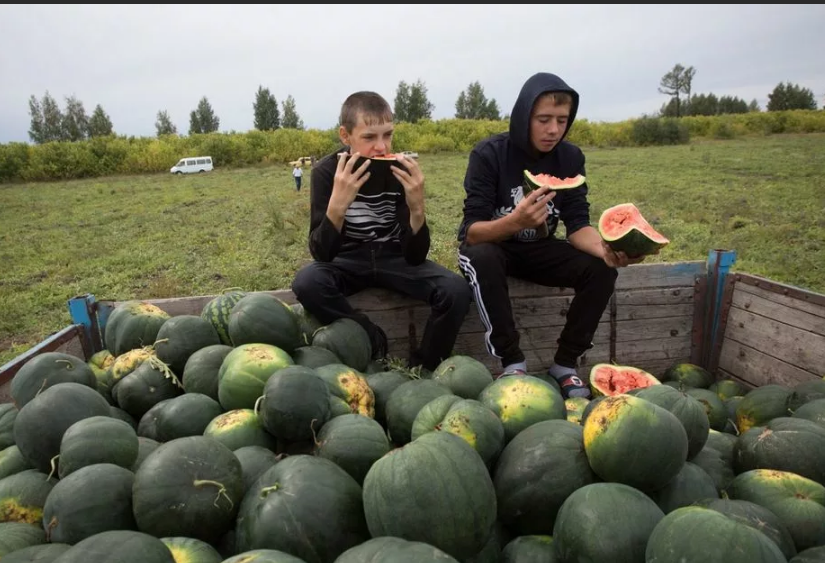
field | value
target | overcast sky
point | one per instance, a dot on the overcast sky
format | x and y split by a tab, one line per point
136	60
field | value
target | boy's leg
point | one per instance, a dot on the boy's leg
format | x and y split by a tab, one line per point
485	266
557	263
445	291
323	288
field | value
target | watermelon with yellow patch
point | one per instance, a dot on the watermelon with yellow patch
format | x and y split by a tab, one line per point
799	502
477	425
575	408
126	363
350	385
610	379
761	405
100	362
689	375
634	441
133	324
245	371
191	550
23	496
522	400
240	428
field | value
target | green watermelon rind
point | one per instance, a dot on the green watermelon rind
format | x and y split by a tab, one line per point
217	310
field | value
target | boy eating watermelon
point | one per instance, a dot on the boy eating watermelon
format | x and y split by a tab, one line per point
509	231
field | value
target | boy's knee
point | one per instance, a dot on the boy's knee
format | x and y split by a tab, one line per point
601	274
308	280
457	291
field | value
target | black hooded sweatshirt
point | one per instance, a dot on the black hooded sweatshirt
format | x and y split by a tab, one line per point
495	172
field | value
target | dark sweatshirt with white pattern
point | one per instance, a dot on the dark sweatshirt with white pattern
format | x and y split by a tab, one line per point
375	216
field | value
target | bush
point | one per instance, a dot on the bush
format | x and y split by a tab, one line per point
659	131
14	158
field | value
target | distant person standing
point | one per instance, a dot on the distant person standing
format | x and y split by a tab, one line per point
297	173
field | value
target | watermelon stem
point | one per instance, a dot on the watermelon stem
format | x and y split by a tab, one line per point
42	386
53	466
266	490
221	491
314	436
159	365
67	362
257	403
52	524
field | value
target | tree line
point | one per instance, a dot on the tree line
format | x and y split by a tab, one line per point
411	104
678	84
50	123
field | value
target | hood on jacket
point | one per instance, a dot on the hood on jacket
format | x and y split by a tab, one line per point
535	86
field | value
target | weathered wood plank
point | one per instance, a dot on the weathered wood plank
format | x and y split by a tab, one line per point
630	336
673	327
660	296
642	350
790	295
780	312
758	368
800	348
664	274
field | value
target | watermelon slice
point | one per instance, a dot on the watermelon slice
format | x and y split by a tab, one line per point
535	181
611	379
625	229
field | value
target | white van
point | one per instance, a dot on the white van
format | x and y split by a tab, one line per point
192	164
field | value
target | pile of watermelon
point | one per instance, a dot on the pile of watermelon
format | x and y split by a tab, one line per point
252	432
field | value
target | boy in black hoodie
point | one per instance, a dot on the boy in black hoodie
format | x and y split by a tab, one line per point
376	235
500	232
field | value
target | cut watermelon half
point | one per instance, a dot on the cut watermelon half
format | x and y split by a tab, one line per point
624	228
611	379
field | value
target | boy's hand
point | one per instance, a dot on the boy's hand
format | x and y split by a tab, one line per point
619	259
412	179
531	211
347	182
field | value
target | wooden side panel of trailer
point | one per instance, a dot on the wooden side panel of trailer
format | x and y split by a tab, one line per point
649	323
774	333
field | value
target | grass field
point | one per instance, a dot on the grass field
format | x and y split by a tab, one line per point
162	236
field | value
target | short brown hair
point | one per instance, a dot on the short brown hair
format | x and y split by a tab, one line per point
559	98
373	107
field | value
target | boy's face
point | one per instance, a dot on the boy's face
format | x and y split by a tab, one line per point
548	123
368	140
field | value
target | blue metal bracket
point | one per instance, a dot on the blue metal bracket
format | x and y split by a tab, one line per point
718	267
82	311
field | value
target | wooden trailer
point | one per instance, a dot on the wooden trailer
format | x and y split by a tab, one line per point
737	325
